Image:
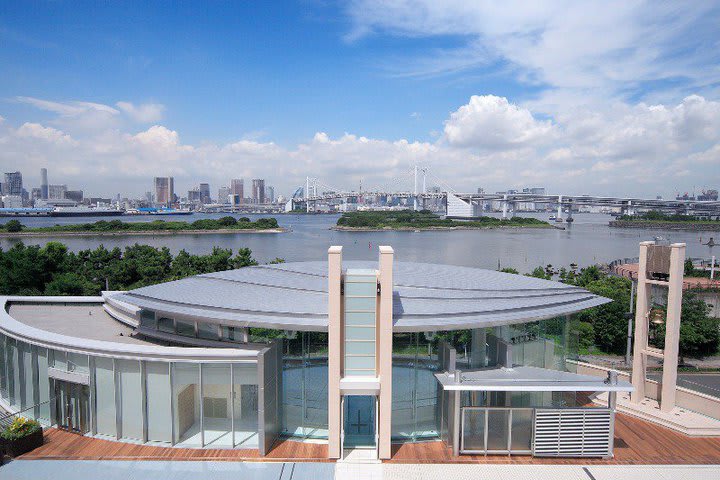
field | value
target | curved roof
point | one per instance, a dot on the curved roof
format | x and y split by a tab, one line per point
427	297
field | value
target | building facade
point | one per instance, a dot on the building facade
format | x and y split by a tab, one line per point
164	190
357	355
13	184
258	187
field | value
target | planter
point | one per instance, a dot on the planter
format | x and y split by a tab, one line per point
15	448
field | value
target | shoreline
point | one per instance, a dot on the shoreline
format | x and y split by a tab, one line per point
340	228
650	225
143	233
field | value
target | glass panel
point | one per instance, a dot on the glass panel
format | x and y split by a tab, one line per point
28	398
208	331
59	360
130	399
360	333
147	319
14	366
361	289
229	334
360	303
186	403
3	369
304	386
184	328
498	430
359	421
360	348
166	325
245	405
352	363
77	362
217	403
105	396
522	427
43	386
158	401
473	430
360	318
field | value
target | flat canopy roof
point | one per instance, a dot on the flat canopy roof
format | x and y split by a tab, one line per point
426	297
528	379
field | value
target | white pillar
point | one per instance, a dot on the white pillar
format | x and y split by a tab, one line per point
505	207
642	306
307	194
672	327
559	212
335	349
415	191
384	333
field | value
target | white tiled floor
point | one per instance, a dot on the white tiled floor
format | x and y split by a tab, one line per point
349	471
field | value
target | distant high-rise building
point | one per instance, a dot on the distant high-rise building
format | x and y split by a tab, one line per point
13	184
237	187
164	190
204	192
223	193
57	192
36	194
480	190
270	194
43	184
258	186
194	195
76	195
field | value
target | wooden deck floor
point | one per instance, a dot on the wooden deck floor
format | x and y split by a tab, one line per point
63	445
636	442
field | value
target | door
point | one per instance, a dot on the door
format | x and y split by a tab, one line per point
72	402
359	421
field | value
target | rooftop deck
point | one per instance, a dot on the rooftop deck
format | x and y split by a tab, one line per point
637	442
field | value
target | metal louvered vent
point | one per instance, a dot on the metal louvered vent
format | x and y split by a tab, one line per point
582	432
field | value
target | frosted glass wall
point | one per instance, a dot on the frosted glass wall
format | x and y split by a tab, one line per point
131	393
105	396
159	418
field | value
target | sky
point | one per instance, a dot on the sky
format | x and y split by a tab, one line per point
593	97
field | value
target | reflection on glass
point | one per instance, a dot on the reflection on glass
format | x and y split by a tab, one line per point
159	421
105	396
186	403
245	405
217	402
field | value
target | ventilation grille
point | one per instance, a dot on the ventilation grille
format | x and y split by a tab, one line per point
573	433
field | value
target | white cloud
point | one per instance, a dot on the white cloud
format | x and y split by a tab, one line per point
67	109
47	134
578	51
488	142
143	113
490	122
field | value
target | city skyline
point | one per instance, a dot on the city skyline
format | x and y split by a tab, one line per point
585	99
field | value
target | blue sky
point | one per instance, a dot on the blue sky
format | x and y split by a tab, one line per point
485	94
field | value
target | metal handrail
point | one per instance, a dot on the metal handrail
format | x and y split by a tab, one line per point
4	419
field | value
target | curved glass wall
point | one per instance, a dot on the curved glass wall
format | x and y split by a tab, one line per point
180	403
414	391
305	386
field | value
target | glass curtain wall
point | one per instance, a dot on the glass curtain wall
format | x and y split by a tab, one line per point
415	392
305	386
190	404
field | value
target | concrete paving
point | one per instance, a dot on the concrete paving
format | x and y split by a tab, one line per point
200	470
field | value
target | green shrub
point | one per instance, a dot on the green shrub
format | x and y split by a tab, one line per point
13	226
21	427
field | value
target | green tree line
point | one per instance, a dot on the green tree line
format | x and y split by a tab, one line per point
53	270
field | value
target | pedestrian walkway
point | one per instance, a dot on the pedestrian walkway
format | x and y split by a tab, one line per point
225	470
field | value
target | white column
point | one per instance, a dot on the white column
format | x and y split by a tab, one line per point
559	212
335	349
672	327
384	354
641	327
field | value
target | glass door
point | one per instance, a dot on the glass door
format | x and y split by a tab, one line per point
72	402
359	421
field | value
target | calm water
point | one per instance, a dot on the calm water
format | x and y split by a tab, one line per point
587	241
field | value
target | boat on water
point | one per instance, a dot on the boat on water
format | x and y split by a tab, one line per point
552	218
162	211
83	211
